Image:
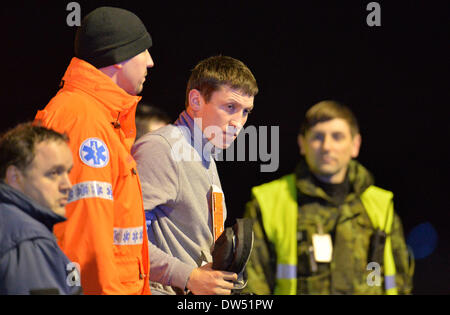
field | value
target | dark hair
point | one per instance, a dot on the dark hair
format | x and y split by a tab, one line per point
145	113
210	74
328	110
17	146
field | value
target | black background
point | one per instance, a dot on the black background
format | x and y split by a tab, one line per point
394	77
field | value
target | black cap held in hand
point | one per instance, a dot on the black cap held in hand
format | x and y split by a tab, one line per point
108	36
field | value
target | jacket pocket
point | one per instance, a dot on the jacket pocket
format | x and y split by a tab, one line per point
129	269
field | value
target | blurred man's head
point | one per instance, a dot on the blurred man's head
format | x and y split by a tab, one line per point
116	42
37	161
220	92
329	139
149	118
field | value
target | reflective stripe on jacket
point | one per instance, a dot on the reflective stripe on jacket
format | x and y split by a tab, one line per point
279	209
105	232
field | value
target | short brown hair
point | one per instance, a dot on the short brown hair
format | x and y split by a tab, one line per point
328	110
17	146
146	113
210	74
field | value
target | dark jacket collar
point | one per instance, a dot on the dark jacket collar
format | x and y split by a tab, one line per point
12	196
358	176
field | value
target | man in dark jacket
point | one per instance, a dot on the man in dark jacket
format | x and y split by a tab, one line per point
34	166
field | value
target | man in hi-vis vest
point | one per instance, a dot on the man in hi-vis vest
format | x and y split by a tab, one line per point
326	229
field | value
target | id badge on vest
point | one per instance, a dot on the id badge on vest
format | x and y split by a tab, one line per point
323	246
217	206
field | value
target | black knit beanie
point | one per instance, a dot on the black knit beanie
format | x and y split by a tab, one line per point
108	36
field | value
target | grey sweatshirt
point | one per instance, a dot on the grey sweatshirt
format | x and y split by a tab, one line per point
177	170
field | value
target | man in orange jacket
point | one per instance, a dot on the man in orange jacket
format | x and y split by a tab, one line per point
105	232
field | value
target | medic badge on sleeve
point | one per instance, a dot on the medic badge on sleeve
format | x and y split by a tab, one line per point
94	152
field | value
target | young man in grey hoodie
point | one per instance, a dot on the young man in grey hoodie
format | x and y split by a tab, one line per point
183	199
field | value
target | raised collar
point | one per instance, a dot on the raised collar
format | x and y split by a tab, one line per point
42	214
84	76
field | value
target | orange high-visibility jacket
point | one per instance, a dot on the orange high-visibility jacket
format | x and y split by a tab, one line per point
105	232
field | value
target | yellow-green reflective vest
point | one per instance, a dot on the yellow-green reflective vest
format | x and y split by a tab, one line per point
278	203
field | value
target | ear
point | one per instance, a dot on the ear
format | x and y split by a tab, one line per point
195	99
14	177
356	145
301	143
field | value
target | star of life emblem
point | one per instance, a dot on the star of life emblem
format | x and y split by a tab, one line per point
94	152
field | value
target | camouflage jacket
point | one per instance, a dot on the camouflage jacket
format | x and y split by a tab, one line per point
350	228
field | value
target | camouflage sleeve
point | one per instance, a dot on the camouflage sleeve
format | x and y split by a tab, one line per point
262	263
404	263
